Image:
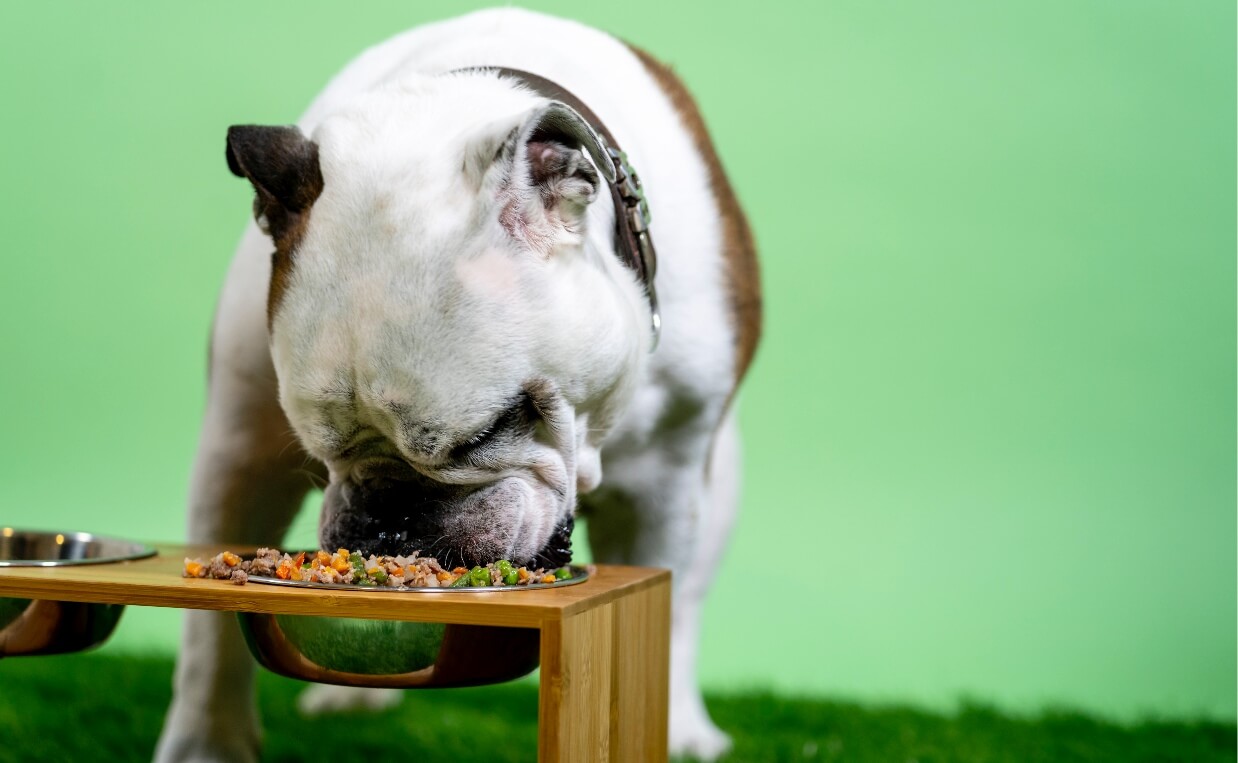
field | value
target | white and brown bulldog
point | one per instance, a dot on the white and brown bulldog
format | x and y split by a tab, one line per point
459	330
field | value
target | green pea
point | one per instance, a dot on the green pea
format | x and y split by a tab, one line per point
380	575
511	578
563	573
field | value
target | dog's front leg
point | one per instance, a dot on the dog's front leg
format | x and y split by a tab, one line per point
249	478
674	507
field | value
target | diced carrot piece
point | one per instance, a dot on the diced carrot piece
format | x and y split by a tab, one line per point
548	578
321	558
444	576
397	570
522	574
298	560
193	569
284	570
340	565
231	559
342	552
460	570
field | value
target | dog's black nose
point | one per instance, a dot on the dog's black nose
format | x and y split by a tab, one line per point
382	515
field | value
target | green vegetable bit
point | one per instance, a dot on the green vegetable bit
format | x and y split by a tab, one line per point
380	575
563	573
462	582
507	572
479	577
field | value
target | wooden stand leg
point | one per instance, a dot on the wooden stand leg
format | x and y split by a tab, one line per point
574	697
604	682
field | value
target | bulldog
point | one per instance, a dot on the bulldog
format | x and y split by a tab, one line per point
448	309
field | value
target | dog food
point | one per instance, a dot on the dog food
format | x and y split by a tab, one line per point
346	567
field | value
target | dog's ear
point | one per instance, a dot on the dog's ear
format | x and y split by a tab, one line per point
559	124
551	180
282	165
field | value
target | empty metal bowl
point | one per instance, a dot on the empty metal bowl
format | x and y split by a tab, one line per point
393	654
42	626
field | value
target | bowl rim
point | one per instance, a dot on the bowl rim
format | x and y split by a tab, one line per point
137	550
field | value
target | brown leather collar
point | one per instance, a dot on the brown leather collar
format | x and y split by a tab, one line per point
633	242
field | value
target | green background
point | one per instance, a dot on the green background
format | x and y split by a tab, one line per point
990	432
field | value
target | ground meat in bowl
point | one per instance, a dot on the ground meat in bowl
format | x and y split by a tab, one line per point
346	567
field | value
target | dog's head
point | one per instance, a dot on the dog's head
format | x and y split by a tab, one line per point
452	334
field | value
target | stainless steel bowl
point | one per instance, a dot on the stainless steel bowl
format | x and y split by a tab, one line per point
394	654
42	626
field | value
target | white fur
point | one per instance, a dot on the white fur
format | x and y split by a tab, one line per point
325	698
402	260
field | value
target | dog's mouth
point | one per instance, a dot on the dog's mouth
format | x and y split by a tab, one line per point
391	524
369	537
558	550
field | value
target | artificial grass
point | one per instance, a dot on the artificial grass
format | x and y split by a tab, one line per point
107	708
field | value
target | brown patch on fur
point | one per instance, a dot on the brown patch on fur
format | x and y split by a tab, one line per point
287	236
738	247
282	165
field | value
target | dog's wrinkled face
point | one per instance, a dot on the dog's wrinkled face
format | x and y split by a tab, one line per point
448	339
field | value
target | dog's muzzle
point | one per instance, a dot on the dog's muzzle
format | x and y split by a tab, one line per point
401	517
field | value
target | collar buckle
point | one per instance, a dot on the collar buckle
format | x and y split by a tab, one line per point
628	186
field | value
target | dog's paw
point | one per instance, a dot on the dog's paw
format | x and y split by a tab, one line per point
192	734
206	746
693	735
320	699
197	750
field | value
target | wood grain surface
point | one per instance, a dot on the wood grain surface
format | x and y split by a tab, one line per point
604	682
157	582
